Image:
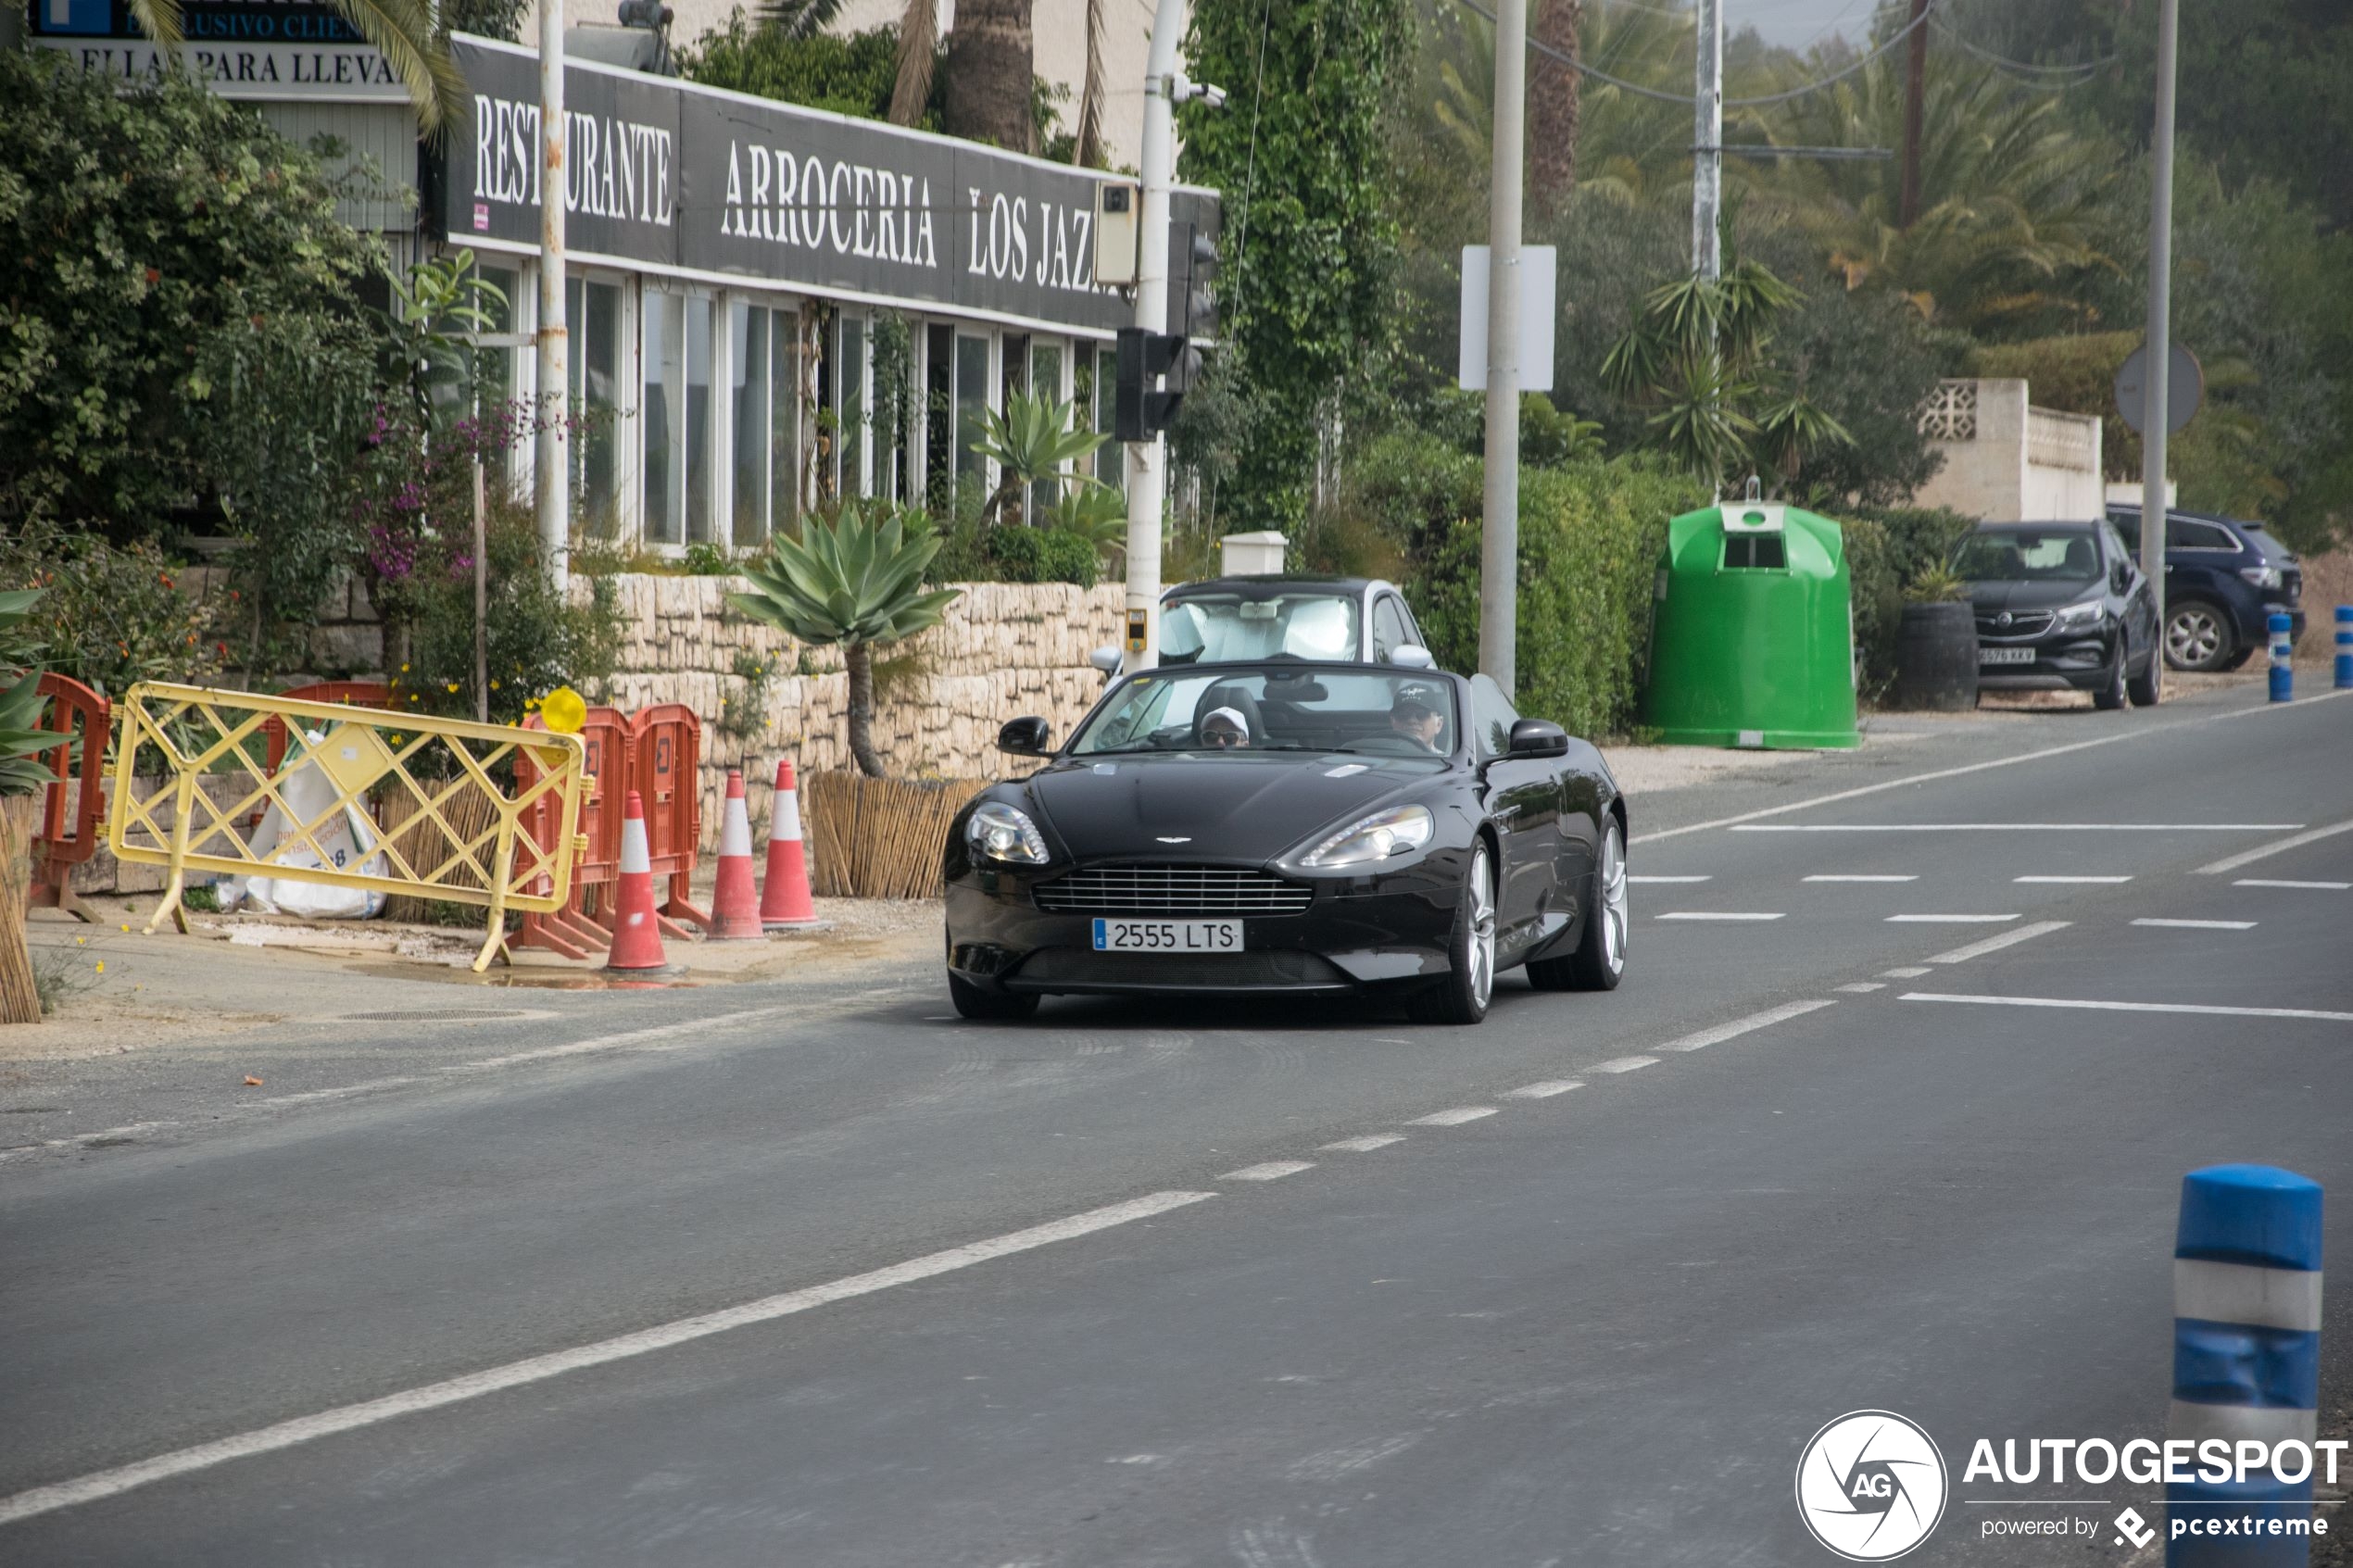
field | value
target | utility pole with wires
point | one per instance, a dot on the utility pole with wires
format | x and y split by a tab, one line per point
1707	141
1915	89
1499	514
549	475
2159	351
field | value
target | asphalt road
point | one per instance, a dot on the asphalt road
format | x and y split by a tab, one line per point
839	1279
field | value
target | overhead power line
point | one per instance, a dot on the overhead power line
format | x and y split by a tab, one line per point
2073	74
1639	90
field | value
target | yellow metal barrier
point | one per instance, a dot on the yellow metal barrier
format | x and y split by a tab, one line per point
187	733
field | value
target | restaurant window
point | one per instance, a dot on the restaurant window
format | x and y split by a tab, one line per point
592	315
661	417
759	341
849	384
1092	392
1046	382
939	424
972	409
702	523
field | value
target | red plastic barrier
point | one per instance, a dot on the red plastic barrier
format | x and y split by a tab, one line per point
665	769
73	807
357	694
570	931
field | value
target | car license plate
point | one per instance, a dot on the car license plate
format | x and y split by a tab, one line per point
1168	937
2006	655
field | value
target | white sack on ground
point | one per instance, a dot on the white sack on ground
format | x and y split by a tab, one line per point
349	839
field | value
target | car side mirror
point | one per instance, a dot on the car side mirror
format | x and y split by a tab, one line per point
1031	736
1539	737
1413	656
1105	660
2120	574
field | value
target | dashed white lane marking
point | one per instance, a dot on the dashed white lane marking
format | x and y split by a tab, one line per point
1367	1144
2265	851
1711	915
2098	881
1453	1118
535	1369
1664	880
1860	878
1624	1064
2314	887
2026	933
1906	972
1950	920
1863	987
2197	924
1545	1090
1703	1038
1272	1170
2034	827
2196	1008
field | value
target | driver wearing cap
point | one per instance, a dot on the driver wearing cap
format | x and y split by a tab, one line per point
1225	729
1415	714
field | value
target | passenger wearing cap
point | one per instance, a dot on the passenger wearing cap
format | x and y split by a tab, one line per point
1416	716
1225	729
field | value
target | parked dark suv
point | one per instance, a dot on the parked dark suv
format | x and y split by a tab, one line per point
2223	578
2061	605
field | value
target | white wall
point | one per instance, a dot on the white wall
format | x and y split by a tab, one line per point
2008	461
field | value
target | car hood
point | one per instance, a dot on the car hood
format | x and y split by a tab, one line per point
1992	597
1245	809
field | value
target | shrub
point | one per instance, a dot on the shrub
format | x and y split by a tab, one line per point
1886	552
1042	555
109	617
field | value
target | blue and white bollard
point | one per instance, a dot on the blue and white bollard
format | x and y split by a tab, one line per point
2343	646
2283	677
2247	1367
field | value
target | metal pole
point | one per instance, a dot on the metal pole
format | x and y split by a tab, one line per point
1707	141
1915	89
1499	538
1147	460
482	598
551	487
2161	329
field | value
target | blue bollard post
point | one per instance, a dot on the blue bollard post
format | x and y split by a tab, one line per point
2283	677
2343	646
2247	1363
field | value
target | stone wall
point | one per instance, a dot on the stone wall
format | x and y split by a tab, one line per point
1004	649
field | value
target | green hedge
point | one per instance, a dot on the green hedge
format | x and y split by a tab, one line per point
1042	555
1886	549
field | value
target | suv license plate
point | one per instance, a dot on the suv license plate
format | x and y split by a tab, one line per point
2006	655
1168	937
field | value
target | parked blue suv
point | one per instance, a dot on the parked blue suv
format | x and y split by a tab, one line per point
2223	578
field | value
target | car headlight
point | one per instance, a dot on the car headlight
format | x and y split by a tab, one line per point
2081	617
2262	576
1375	837
999	831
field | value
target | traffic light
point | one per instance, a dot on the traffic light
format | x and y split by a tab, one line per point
1140	409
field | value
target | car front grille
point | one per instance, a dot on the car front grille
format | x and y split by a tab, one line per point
1171	890
2030	624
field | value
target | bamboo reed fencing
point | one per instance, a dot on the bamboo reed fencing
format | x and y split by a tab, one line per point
879	838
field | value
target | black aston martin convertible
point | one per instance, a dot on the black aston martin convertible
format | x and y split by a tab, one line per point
1287	826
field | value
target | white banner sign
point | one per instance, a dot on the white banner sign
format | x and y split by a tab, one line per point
341	73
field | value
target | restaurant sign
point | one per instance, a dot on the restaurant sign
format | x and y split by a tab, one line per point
255	49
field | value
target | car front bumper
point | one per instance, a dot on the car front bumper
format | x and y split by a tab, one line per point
2062	663
1356	935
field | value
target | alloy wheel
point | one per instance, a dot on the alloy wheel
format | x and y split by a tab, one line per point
2192	637
1482	932
1615	903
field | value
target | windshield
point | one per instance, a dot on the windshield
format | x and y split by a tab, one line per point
2030	555
1275	708
1224	628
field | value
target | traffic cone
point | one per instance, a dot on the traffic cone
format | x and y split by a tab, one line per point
636	931
784	904
734	903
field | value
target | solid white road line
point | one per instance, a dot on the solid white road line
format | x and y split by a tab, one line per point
1991	944
534	1369
2030	827
2265	851
691	1026
2199	924
1545	1090
1624	1064
2314	887
1272	1170
1366	1145
1862	878
1453	1118
1711	915
1863	987
1662	881
2101	881
1950	920
1738	1026
2131	1007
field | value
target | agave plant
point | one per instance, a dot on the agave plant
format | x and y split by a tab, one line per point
857	580
1096	512
1032	440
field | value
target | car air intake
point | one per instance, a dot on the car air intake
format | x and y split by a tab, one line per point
1171	890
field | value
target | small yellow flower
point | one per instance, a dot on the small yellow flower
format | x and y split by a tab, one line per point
412	696
494	686
101	966
81	941
404	669
453	686
126	930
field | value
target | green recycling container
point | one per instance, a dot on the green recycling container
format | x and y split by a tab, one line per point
1753	631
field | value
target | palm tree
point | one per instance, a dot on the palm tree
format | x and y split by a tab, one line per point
992	65
1552	103
408	33
1087	144
857	580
